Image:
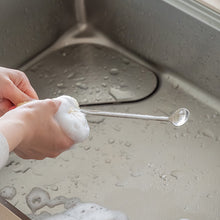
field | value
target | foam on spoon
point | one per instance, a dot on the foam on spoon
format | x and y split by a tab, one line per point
71	119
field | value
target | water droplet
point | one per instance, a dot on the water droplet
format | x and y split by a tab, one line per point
108	161
104	85
59	92
81	85
177	135
97	90
208	133
214	115
127	144
111	141
53	187
209	195
80	79
163	177
126	61
95	120
117	128
176	174
97	149
53	75
21	168
123	85
70	76
121	95
87	147
50	81
114	71
60	85
150	165
135	172
8	192
176	86
37	199
84	101
98	98
121	182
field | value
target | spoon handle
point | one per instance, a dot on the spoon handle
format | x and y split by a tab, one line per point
124	115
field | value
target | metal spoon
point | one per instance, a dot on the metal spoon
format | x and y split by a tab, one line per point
178	118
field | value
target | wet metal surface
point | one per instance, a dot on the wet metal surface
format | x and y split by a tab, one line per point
93	74
135	166
145	169
180	35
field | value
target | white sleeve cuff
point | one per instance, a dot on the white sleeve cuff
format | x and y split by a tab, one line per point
4	151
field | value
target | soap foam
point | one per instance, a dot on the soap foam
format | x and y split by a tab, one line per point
71	119
89	211
76	210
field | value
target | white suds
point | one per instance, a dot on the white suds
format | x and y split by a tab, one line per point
71	119
89	211
76	210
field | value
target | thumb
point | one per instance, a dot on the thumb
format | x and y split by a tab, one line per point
15	95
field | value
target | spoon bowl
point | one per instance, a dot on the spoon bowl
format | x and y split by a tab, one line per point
179	117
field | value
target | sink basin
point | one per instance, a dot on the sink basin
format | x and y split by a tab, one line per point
167	54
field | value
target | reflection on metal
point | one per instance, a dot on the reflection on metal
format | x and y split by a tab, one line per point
213	4
178	118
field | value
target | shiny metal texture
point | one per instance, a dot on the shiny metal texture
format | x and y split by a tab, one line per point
180	36
146	169
178	118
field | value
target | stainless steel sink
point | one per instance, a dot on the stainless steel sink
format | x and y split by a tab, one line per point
148	170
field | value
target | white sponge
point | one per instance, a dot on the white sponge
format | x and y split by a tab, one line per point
71	119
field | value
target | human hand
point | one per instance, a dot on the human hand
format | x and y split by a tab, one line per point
15	88
32	132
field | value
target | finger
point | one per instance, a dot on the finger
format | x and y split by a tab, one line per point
27	88
15	95
5	105
31	92
22	82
